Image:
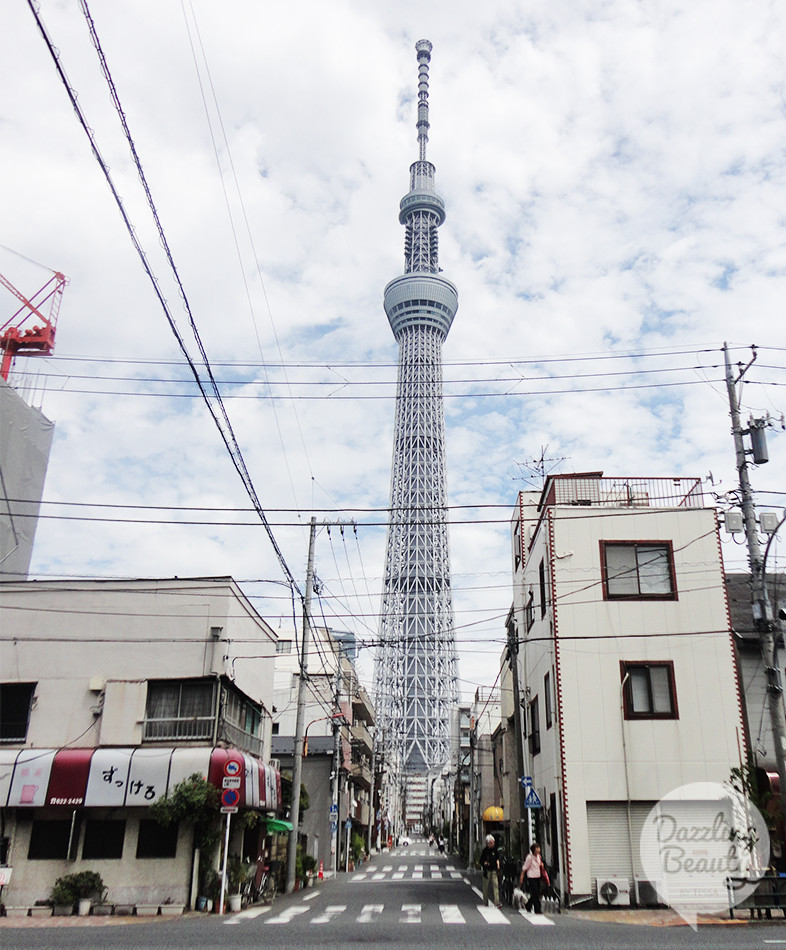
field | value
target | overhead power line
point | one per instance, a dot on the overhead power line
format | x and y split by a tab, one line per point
214	403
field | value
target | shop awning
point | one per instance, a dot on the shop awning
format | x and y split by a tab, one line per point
493	813
128	777
279	826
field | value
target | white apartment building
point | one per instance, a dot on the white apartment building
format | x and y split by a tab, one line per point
112	692
626	664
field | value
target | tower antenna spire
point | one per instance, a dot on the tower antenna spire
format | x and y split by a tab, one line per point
423	48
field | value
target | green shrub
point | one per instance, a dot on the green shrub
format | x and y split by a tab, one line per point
70	888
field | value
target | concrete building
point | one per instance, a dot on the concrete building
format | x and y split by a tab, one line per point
112	692
626	665
338	719
25	441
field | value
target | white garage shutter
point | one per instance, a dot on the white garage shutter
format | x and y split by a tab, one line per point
609	841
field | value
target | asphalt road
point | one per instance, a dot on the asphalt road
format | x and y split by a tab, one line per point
411	899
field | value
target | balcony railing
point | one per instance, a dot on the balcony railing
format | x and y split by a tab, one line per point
627	492
183	728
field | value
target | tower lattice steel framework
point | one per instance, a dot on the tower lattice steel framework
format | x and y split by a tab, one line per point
415	682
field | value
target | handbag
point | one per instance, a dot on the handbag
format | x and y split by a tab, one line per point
545	875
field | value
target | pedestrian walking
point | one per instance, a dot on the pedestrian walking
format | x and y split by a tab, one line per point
534	870
489	863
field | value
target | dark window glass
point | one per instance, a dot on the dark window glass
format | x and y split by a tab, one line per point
542	580
49	840
547	698
156	841
103	838
534	727
15	700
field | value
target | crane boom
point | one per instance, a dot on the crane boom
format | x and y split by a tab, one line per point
35	340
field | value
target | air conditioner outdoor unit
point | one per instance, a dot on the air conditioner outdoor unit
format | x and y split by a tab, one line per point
613	891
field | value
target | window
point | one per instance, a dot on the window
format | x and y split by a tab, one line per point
156	841
276	726
517	546
542	580
534	727
529	610
15	702
648	690
283	646
103	838
547	698
638	570
49	840
180	710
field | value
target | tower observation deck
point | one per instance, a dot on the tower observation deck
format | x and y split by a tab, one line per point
415	683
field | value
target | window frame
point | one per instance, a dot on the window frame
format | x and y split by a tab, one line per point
111	836
5	720
634	545
534	726
626	666
549	710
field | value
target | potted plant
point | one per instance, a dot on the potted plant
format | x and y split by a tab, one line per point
238	872
81	888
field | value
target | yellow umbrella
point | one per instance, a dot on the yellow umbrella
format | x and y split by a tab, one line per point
493	813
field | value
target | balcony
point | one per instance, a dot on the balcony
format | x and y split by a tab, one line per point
361	738
591	489
360	774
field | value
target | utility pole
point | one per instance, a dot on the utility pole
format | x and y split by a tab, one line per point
335	844
297	767
513	659
762	609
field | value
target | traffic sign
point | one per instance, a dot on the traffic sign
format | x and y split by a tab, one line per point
231	781
333	827
228	811
334	812
230	798
232	767
526	781
348	824
532	800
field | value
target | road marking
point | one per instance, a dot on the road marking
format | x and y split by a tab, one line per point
475	889
309	897
436	875
410	914
333	910
359	877
433	867
287	915
388	867
370	913
451	914
249	914
398	875
418	867
402	867
379	876
455	874
539	920
417	875
492	915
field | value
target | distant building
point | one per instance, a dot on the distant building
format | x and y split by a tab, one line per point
25	441
338	719
626	665
112	692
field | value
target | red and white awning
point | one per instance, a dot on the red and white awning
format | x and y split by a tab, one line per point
128	777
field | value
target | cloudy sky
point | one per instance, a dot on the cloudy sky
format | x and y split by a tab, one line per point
615	179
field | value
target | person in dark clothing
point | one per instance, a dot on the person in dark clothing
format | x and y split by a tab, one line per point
489	862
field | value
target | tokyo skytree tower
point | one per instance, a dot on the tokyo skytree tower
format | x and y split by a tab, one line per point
415	682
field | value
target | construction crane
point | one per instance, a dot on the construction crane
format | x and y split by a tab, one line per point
35	340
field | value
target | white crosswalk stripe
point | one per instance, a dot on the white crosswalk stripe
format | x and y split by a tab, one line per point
408	914
370	913
538	920
451	914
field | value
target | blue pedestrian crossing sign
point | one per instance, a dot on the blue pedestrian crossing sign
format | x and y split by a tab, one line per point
532	800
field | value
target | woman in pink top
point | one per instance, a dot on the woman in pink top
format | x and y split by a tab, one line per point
535	872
